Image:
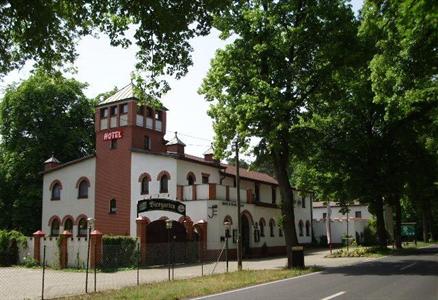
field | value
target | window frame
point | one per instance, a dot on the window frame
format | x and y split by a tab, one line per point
122	108
57	185
144	191
81	230
113	206
104	112
114	110
87	186
164	185
55	221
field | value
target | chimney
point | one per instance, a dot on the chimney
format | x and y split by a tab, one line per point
175	145
209	153
51	163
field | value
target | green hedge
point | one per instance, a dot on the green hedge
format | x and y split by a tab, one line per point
9	242
119	252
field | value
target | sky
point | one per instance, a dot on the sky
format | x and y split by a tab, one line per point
103	67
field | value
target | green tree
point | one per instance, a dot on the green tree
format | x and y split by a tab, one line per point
47	31
43	115
281	64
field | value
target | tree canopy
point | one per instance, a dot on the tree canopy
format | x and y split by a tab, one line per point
47	31
270	77
41	116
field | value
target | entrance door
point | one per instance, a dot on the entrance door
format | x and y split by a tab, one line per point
160	243
245	236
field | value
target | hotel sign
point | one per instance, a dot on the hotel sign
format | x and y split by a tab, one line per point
112	135
161	204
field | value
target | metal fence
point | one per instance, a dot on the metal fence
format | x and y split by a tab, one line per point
119	266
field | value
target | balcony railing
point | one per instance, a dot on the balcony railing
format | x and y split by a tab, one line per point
212	191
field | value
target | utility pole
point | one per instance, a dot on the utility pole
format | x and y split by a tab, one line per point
239	222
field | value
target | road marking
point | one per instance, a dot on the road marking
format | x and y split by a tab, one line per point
255	286
408	266
334	295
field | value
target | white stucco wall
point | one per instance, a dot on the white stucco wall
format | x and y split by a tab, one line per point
69	203
153	165
184	167
338	229
335	212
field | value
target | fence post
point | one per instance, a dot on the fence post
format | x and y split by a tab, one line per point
44	272
138	263
142	224
96	243
37	245
63	255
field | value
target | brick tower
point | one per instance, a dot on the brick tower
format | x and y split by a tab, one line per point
122	124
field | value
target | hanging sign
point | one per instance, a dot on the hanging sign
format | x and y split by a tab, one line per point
112	135
161	204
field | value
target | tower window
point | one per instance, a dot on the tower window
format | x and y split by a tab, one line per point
124	108
145	185
205	179
147	142
149	112
113	206
56	191
83	189
158	115
113	144
113	110
257	192
103	113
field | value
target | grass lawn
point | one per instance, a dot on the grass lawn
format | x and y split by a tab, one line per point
198	286
374	251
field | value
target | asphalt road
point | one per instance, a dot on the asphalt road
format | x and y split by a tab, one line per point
413	276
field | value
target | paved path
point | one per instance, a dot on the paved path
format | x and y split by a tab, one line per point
393	277
23	283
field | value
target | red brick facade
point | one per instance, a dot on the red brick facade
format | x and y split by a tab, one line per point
113	168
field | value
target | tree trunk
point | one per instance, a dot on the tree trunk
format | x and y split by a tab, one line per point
281	161
381	231
397	228
425	224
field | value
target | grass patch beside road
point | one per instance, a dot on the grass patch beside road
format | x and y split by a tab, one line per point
198	286
375	251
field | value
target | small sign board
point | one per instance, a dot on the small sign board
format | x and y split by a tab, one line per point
408	230
161	204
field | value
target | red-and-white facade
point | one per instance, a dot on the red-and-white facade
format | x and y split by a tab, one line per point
134	162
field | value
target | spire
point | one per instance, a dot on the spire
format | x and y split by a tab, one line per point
51	163
175	141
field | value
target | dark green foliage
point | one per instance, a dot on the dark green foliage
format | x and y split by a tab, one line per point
369	234
47	31
9	243
41	116
119	252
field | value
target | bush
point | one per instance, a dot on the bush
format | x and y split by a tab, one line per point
370	234
119	252
9	242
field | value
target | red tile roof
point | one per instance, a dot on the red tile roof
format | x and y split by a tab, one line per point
252	175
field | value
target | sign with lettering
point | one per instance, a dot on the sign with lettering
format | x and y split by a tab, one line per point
161	204
112	135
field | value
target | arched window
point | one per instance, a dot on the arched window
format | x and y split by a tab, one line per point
307	228
113	206
82	227
262	225
56	191
68	225
145	185
83	189
272	227
164	184
191	179
300	227
54	228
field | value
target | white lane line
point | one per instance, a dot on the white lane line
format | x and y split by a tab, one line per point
256	286
334	295
408	266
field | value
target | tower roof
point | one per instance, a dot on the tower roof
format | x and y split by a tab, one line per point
52	159
127	92
175	141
